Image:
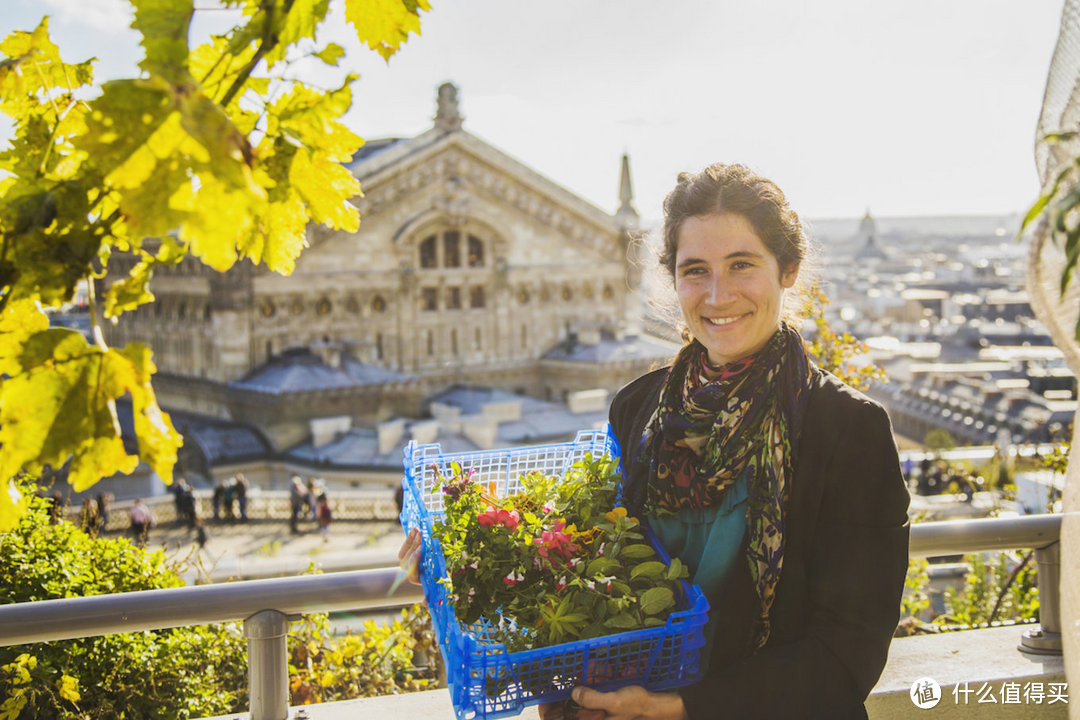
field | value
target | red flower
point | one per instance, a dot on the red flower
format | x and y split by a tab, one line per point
498	516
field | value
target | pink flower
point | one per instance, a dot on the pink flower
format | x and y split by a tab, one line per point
498	516
560	585
556	541
549	507
513	579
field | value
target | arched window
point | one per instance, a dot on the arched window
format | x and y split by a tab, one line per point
476	252
428	258
430	343
453	342
451	249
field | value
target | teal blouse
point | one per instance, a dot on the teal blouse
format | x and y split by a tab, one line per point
707	541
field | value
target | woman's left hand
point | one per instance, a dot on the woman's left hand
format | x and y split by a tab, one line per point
629	703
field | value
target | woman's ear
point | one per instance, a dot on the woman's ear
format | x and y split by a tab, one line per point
789	276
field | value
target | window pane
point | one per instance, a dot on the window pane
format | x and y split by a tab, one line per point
451	249
427	253
476	296
453	298
476	252
429	299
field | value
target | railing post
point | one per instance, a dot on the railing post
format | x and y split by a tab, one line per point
268	669
1047	639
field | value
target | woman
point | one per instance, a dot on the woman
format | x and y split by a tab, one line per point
777	485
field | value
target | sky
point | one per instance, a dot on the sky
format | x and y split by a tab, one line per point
924	107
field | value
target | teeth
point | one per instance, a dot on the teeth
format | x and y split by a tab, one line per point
723	320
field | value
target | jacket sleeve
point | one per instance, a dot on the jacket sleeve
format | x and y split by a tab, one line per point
855	570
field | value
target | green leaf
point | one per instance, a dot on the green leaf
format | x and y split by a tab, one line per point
622	621
130	292
602	566
637	552
656	600
331	54
677	570
164	26
12	506
72	387
158	439
650	569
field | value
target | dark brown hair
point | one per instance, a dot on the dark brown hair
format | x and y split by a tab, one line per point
735	189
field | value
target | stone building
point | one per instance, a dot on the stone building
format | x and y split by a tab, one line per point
468	268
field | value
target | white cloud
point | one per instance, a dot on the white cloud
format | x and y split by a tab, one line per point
108	15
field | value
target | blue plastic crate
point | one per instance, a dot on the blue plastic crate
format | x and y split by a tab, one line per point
487	681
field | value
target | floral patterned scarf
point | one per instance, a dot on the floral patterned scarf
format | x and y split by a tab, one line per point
711	426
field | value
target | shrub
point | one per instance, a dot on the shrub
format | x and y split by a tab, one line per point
177	673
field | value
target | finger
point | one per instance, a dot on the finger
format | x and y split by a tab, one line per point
550	711
407	545
591	699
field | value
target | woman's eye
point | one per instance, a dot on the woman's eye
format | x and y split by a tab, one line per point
741	265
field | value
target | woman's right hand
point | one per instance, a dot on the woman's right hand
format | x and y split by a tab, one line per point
410	554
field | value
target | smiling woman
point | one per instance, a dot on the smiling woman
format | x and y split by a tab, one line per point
775	484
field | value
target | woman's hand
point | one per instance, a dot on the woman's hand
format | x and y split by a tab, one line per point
628	703
409	556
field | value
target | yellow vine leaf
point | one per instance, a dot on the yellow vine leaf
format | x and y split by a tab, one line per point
164	26
326	188
158	439
73	387
384	25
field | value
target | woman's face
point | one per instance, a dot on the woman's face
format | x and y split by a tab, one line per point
730	285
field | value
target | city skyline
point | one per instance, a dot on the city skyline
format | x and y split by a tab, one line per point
920	110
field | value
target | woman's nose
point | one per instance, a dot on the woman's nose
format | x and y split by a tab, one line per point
719	291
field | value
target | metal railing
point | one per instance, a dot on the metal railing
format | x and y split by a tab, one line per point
1039	532
267	606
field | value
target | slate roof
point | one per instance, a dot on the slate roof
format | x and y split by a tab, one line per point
296	371
631	347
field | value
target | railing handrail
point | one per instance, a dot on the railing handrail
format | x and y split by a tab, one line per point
956	537
69	618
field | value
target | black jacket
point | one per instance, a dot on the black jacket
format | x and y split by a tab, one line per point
845	559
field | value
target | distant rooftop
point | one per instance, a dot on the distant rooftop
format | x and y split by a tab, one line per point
609	349
300	370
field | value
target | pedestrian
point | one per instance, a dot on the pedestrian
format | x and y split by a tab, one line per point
324	516
216	498
312	496
200	533
89	517
297	503
188	505
242	496
56	507
229	499
177	491
104	501
142	519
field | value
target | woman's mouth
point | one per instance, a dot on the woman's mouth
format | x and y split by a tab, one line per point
722	321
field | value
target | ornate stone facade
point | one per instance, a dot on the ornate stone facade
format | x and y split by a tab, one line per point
467	268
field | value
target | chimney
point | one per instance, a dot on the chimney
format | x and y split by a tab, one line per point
389	434
425	432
